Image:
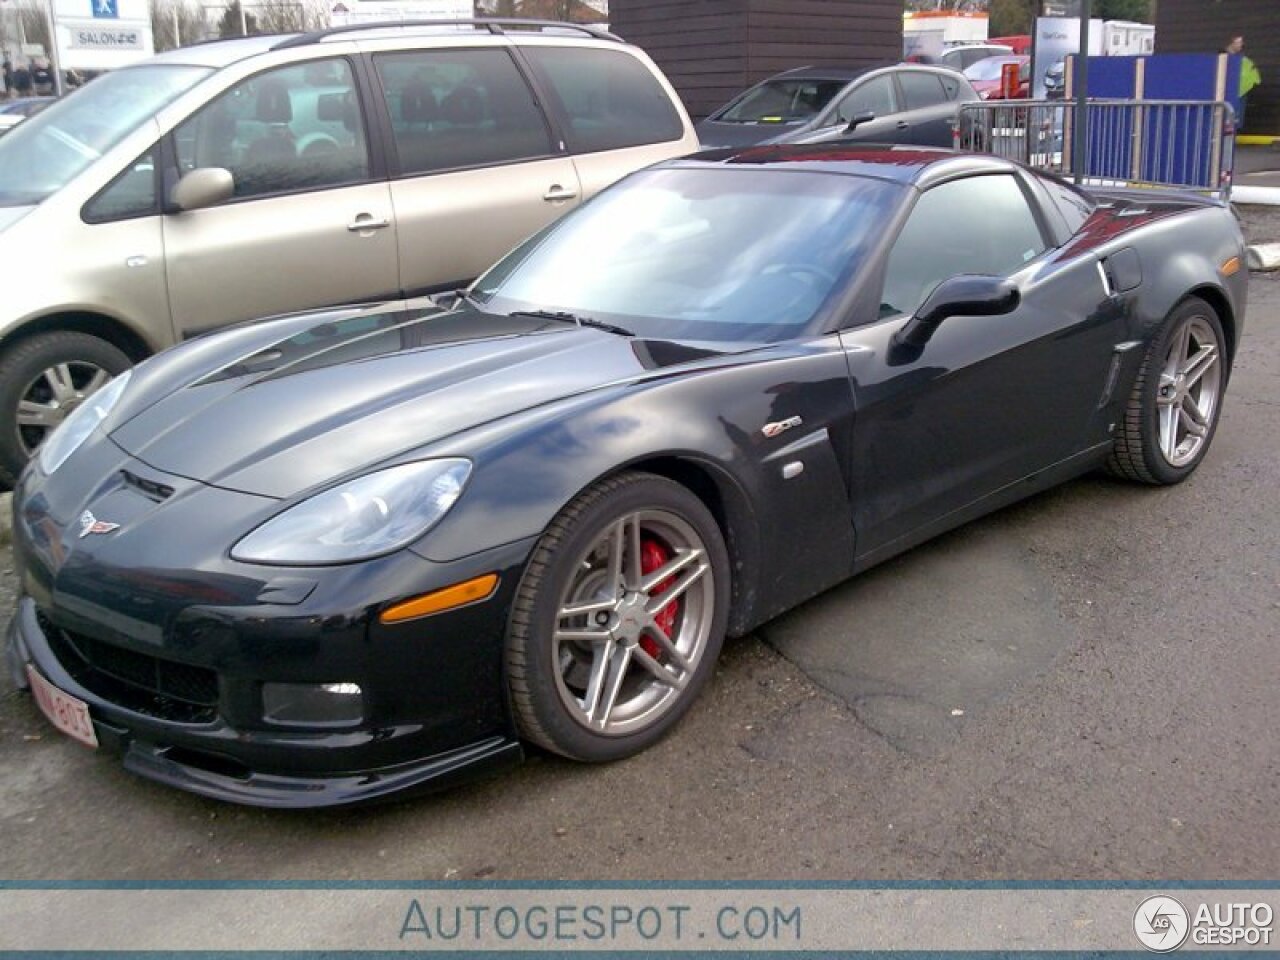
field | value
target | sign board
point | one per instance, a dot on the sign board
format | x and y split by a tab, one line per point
102	34
371	11
1057	38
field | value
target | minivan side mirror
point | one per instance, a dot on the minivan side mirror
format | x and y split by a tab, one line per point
967	295
203	187
859	118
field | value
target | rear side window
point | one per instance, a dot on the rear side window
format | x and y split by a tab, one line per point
1074	206
950	86
608	98
452	109
921	89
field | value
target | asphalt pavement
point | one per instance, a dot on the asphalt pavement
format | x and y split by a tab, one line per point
1081	686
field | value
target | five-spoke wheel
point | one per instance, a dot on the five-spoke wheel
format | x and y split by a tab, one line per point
619	618
1176	399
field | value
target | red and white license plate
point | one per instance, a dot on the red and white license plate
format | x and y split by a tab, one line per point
64	711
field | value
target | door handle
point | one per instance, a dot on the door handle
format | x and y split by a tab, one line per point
903	125
557	194
365	222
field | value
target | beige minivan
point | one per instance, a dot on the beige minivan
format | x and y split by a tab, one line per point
243	178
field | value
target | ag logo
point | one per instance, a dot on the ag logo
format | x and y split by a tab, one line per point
1161	923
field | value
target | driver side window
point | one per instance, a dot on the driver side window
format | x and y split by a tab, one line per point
978	225
874	96
294	128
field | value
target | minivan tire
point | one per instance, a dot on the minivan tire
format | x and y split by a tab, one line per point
23	363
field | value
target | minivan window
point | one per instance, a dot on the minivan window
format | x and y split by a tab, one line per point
285	130
609	98
41	155
460	108
132	194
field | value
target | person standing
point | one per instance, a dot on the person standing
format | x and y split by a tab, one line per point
8	79
22	80
1250	77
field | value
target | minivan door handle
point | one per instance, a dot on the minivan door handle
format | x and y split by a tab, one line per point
558	194
365	222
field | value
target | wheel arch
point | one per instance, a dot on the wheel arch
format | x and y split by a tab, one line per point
733	514
114	331
1217	298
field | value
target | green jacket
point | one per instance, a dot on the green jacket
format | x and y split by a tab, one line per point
1249	75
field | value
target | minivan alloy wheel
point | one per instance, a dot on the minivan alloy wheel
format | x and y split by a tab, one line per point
52	396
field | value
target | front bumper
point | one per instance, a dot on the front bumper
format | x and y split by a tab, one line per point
254	768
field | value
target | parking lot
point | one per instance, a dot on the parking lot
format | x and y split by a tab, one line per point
1081	686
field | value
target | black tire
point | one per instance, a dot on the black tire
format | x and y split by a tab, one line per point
535	679
1137	454
22	363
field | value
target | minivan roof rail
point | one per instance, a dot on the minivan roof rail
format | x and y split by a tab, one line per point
494	25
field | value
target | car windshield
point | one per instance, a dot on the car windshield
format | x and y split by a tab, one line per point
783	101
41	155
727	254
988	69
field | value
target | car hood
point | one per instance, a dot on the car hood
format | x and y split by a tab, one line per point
713	134
318	400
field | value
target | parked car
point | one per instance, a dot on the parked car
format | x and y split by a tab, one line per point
987	77
1055	80
232	180
966	55
13	112
341	554
1019	43
907	103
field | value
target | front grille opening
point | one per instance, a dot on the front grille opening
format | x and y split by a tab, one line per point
212	762
149	685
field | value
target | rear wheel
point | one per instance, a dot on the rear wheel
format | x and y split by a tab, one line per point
43	379
1173	409
619	619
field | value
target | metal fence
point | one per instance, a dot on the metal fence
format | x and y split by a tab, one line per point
1168	143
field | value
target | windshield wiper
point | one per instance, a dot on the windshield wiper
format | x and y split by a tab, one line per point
581	321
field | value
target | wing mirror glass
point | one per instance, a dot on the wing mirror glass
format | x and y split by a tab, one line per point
967	295
203	187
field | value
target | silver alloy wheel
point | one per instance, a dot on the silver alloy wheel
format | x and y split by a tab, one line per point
52	396
617	670
1189	390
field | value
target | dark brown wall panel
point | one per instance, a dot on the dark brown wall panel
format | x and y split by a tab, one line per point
712	49
1201	26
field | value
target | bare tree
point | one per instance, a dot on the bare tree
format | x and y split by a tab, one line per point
35	24
289	16
168	16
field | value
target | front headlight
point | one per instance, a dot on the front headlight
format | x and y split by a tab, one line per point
362	518
74	430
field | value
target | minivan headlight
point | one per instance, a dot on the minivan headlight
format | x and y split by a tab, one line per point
75	430
363	518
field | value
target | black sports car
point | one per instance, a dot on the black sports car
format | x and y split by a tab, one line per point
331	556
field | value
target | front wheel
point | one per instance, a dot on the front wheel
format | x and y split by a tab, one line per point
43	378
618	620
1176	400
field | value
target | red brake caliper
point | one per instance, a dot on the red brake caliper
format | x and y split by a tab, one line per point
653	554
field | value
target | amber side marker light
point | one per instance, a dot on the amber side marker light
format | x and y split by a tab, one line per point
1231	267
458	595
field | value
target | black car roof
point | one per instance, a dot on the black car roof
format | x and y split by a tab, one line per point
901	164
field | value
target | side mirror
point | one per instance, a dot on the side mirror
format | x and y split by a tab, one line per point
203	187
967	295
859	118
